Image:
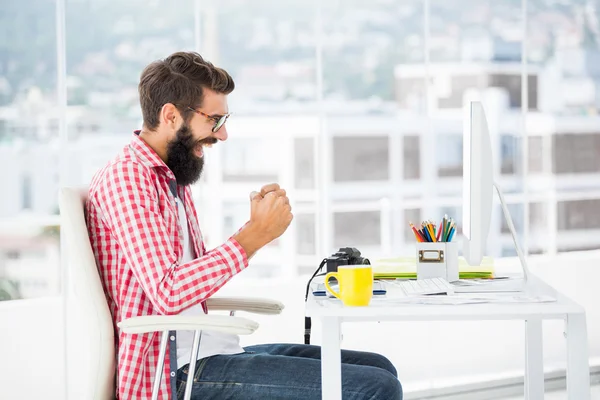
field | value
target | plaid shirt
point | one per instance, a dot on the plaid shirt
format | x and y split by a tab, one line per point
133	223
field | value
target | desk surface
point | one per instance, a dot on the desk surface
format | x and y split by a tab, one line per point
380	309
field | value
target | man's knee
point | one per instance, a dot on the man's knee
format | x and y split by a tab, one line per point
392	389
380	361
381	385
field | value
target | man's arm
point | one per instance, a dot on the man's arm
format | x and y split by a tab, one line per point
129	203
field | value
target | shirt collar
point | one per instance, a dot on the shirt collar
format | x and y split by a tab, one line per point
146	154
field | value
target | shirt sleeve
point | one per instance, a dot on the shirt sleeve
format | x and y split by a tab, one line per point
129	203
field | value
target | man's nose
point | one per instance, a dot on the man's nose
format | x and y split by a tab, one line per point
221	134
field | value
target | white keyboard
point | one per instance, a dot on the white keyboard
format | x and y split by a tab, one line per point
422	287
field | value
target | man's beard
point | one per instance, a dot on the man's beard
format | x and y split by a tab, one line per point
181	160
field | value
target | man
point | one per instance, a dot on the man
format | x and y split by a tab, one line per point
149	249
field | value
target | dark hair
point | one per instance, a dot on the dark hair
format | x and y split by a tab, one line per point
179	79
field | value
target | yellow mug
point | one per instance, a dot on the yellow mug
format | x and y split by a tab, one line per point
355	283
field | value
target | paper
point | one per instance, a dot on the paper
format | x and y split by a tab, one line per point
451	300
398	301
480	282
406	268
426	300
507	298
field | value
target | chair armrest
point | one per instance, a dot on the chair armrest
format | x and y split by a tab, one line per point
158	323
248	304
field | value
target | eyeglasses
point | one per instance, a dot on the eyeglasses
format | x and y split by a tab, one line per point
219	119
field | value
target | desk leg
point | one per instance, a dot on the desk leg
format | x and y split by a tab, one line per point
578	366
331	359
534	360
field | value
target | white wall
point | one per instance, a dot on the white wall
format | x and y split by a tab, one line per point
31	349
426	354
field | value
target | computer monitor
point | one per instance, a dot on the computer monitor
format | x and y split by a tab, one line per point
478	183
478	186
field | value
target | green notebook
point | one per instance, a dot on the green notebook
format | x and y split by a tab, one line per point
406	268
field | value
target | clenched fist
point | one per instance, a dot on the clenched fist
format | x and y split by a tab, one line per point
270	216
271	213
271	187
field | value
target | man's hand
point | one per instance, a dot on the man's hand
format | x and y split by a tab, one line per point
270	215
271	187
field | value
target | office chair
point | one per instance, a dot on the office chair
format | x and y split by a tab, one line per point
91	363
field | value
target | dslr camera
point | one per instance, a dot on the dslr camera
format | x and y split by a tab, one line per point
345	256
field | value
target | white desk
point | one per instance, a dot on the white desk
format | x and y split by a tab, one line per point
332	313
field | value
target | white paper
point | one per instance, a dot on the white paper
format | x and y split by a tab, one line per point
451	300
507	298
427	300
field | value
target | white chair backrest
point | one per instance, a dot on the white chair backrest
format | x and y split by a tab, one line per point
90	333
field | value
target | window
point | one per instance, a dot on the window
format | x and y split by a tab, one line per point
508	251
306	270
27	106
27	193
244	160
534	250
578	215
410	92
262	271
516	213
304	163
3	130
449	155
360	158
459	85
539	228
12	254
538	217
364	44
9	290
305	233
357	229
411	215
512	84
564	248
536	154
509	153
412	158
576	153
373	66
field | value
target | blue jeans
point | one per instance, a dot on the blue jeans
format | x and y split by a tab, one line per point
288	371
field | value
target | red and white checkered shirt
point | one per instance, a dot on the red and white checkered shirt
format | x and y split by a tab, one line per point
133	223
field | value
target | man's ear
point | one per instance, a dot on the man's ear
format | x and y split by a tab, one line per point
169	116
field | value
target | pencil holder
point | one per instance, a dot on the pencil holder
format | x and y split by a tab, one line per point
437	260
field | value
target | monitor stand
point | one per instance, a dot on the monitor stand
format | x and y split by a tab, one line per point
510	285
513	233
